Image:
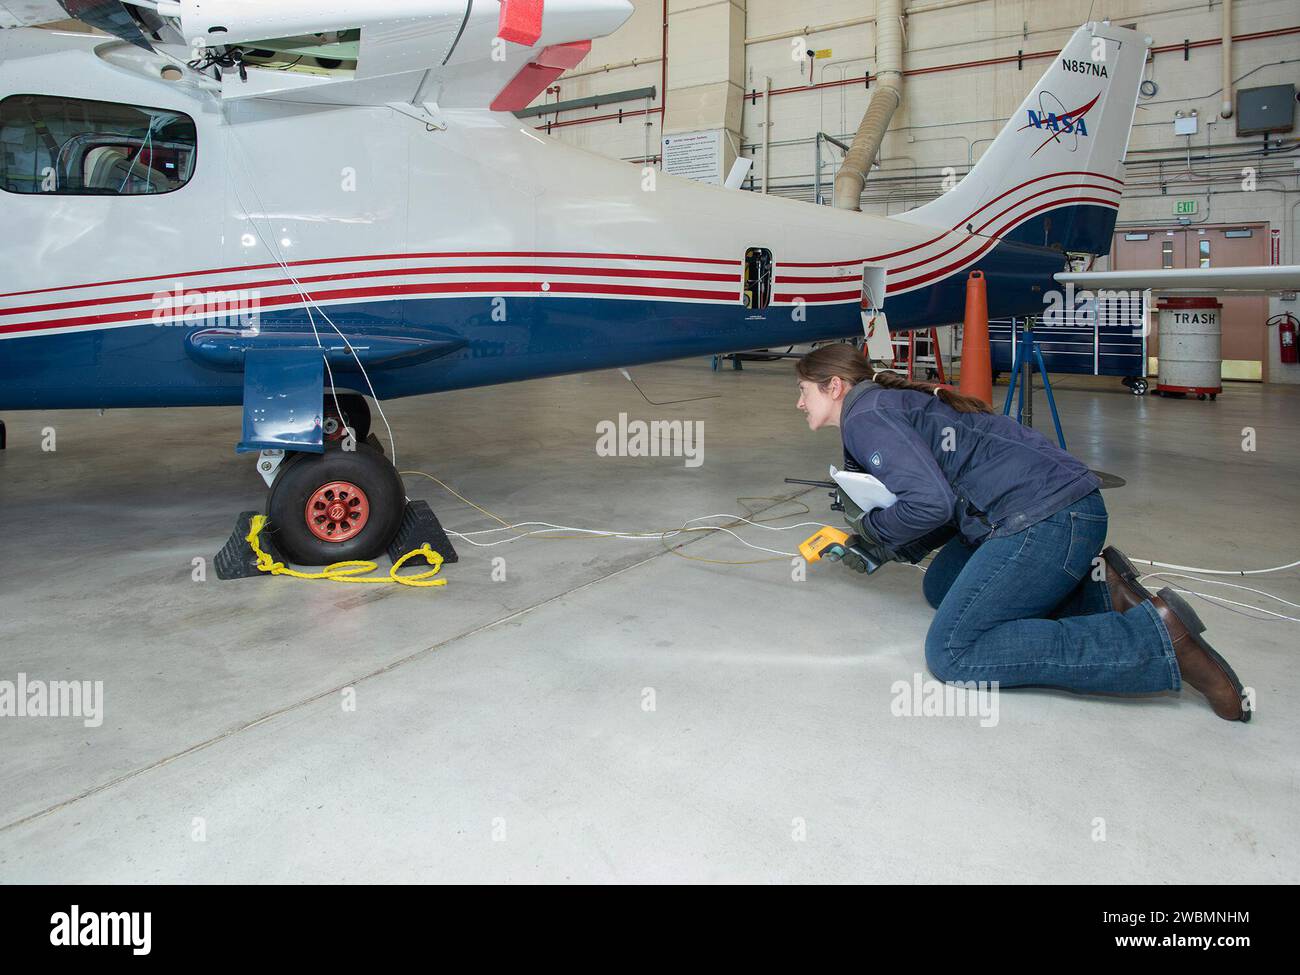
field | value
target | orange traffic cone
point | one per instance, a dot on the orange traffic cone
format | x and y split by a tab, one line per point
976	364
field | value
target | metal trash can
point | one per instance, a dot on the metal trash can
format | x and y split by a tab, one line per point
1191	354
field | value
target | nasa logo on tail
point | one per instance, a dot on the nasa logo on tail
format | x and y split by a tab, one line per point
1064	126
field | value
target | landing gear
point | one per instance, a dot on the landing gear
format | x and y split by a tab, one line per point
356	414
1136	384
336	506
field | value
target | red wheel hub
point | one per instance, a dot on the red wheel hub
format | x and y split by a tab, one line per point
337	511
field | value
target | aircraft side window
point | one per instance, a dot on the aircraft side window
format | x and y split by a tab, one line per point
79	147
758	278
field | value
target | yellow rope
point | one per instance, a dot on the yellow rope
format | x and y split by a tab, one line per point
352	571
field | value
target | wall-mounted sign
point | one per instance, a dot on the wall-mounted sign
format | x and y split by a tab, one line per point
1184	208
695	155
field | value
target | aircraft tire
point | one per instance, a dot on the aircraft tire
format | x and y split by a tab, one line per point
336	506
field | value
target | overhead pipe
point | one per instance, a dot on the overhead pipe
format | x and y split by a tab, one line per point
885	100
810	29
807	29
613	66
985	62
1225	109
663	76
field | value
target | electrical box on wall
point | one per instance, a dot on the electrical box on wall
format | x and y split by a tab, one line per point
1267	109
1185	125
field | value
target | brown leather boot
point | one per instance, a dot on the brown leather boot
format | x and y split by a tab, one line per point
1199	664
1122	581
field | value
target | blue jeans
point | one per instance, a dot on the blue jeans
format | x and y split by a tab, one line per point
1033	608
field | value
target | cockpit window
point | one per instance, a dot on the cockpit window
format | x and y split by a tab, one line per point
78	147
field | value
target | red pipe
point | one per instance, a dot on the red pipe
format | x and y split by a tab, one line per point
663	78
934	69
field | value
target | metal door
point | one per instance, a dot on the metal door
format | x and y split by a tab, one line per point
1245	352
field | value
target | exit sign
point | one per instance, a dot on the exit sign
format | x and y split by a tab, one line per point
1184	208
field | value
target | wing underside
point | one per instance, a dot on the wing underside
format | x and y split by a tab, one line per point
1237	280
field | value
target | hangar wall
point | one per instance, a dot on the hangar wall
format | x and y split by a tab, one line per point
976	61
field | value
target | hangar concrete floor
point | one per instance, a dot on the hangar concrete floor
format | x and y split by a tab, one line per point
500	730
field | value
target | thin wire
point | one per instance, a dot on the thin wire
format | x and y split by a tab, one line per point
1219	572
274	252
145	143
545	529
309	302
672	402
615	533
1229	603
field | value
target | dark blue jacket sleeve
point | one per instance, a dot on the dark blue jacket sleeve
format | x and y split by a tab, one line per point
891	450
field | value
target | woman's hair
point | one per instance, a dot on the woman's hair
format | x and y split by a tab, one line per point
822	365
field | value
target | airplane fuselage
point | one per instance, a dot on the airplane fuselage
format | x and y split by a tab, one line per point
479	253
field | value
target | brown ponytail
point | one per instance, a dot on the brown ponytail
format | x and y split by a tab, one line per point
822	365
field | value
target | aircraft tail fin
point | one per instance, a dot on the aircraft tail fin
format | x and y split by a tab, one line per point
1053	176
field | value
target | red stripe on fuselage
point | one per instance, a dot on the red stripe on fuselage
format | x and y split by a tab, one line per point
994	238
542	270
392	291
893	287
957	226
391	272
422	256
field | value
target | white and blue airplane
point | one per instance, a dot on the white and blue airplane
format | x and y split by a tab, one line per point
295	205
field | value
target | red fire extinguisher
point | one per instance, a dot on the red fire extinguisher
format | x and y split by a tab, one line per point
1286	334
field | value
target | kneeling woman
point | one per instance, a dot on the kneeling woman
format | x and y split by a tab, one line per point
1021	596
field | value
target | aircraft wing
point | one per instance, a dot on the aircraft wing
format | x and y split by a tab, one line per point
1203	280
27	13
497	54
110	16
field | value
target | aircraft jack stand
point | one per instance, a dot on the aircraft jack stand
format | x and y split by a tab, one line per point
1022	369
236	560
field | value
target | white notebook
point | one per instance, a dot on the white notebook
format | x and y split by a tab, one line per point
867	492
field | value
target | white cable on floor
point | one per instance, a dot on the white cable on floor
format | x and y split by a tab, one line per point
543	527
616	533
1218	572
547	528
1228	603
